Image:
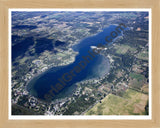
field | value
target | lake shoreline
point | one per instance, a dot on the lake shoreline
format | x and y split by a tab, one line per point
78	57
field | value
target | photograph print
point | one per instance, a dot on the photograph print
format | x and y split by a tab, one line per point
79	63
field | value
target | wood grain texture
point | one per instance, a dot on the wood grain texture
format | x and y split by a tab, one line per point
6	4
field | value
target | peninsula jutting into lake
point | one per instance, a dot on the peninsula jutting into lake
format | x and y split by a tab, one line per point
56	72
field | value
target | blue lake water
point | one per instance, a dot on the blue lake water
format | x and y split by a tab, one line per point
97	66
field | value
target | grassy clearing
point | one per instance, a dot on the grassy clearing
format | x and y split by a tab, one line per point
136	76
145	89
122	49
132	103
136	81
143	55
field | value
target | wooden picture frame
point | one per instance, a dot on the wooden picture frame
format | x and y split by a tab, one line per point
5	122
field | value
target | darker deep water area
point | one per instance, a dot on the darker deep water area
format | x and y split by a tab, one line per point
98	66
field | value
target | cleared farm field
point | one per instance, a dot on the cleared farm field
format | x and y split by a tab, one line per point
122	49
143	55
132	103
